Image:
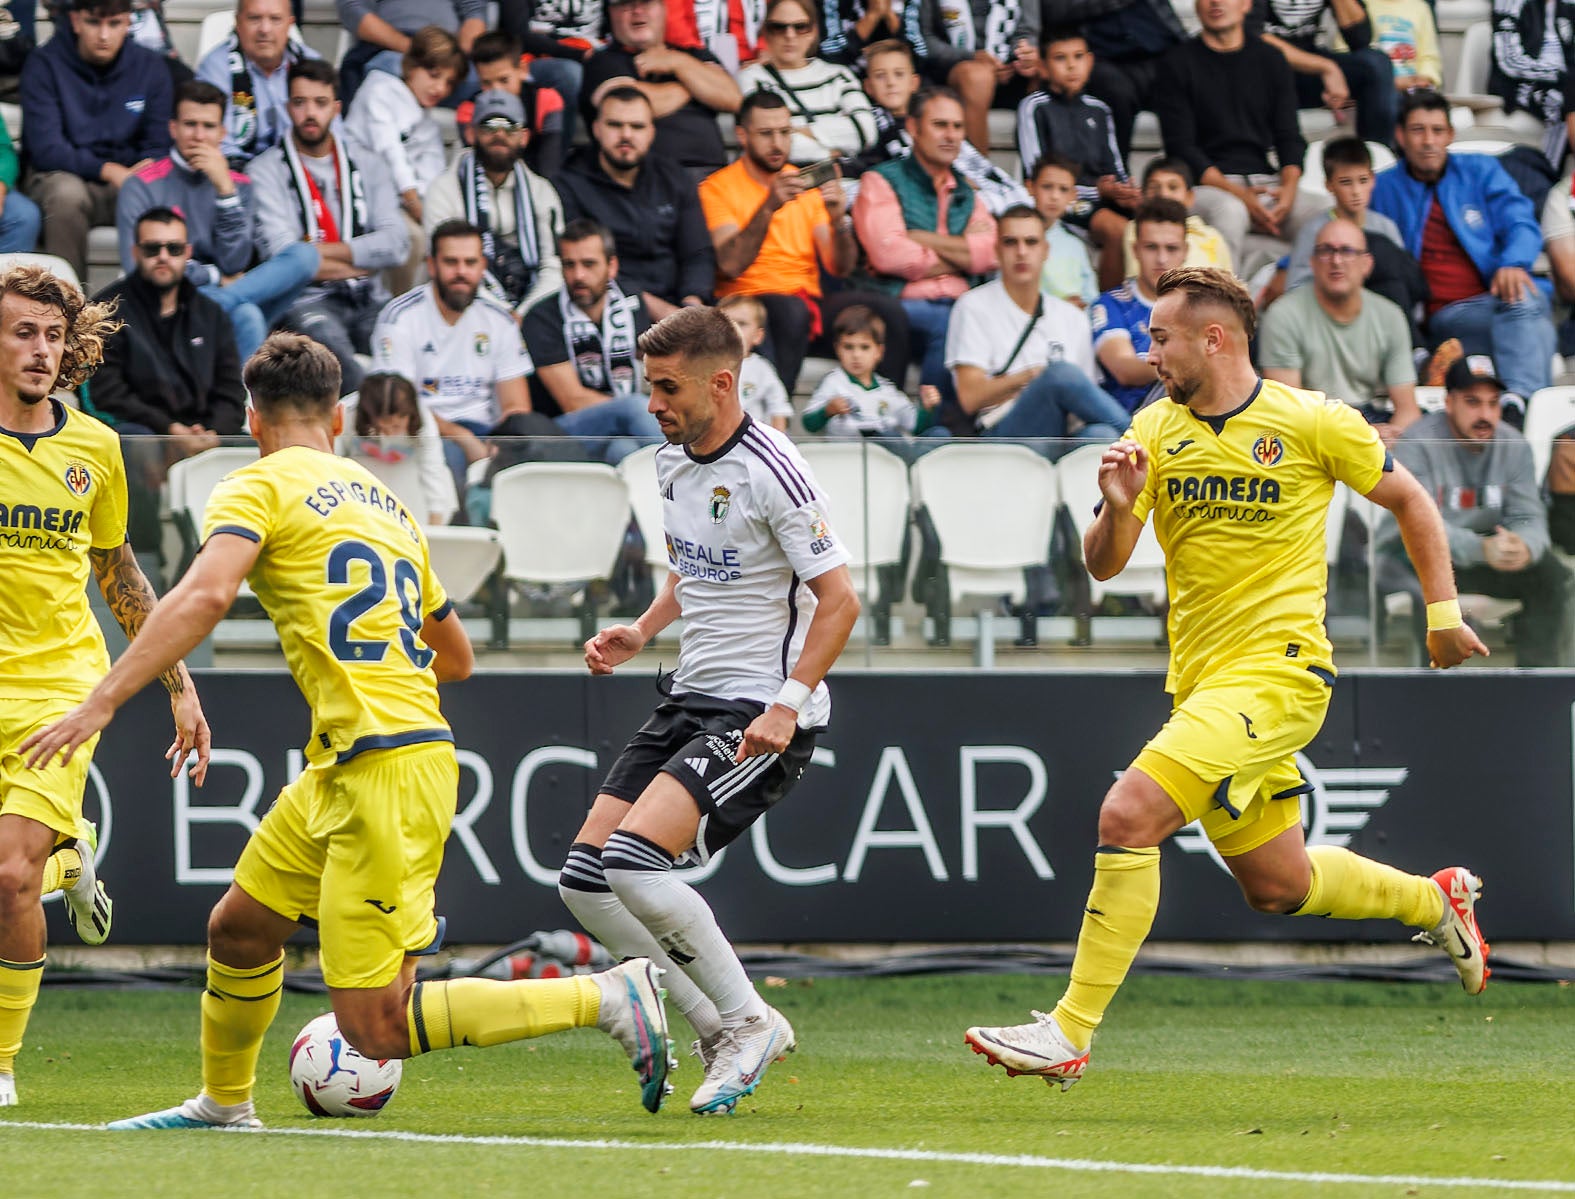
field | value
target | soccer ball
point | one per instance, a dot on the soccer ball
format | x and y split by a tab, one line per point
332	1079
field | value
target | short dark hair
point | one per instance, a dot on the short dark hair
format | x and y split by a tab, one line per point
624	94
453	228
1210	285
496	46
856	319
101	8
1346	152
695	334
927	95
890	45
313	70
384	393
291	372
1065	31
434	48
1020	212
1160	212
584	229
159	214
1169	164
198	91
1424	99
1060	162
759	100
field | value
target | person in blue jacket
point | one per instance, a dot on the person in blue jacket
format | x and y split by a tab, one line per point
98	108
1476	235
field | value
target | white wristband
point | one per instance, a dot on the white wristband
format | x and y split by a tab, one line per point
794	695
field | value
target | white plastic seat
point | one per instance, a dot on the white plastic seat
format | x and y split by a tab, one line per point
462	558
866	489
1312	166
57	267
993	506
1430	399
1549	412
1144	573
638	472
188	485
403	478
217	26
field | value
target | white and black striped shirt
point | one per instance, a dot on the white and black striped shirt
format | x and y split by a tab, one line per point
822	96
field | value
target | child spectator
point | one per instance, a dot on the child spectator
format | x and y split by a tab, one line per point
1348	177
1171	179
1062	120
761	390
853	401
390	117
385	422
560	36
1406	31
1068	274
500	66
891	80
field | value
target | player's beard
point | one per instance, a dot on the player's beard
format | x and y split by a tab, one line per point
1181	391
25	389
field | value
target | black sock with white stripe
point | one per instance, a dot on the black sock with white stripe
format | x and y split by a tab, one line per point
583	887
641	876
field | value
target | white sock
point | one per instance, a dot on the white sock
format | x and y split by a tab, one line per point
682	923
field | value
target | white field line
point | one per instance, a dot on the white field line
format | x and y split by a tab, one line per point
1019	1161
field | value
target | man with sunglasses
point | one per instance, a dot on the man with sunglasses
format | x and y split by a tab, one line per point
686	85
171	378
1340	339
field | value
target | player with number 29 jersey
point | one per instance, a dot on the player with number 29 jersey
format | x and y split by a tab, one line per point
344	573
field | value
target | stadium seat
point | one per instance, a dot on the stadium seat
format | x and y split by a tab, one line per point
1430	399
639	475
1312	166
403	478
189	484
993	506
463	559
58	267
866	489
1550	412
217	26
560	522
1144	574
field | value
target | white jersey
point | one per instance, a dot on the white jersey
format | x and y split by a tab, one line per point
747	528
456	368
760	390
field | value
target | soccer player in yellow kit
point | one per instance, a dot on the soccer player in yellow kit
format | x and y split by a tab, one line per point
62	516
1237	473
355	843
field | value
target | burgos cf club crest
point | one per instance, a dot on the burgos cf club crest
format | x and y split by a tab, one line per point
1339	805
482	342
78	479
1268	450
721	500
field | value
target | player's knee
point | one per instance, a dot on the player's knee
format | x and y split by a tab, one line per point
973	78
1275	896
20	879
233	941
1126	822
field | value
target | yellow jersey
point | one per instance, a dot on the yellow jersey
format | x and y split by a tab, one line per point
62	493
344	573
1240	507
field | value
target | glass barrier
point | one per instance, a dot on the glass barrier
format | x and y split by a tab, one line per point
964	552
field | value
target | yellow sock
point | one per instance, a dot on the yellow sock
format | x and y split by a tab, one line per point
1347	886
18	993
1120	911
485	1011
237	1009
61	869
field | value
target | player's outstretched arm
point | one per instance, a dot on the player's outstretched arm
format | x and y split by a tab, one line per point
1450	640
167	630
447	638
616	644
1123	472
836	612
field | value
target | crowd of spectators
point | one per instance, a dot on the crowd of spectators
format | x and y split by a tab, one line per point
824	172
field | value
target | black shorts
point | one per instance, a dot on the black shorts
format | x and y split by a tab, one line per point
693	738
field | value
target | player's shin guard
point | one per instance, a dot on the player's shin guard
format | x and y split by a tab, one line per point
640	873
237	1008
484	1011
1119	913
18	993
583	887
61	869
1346	886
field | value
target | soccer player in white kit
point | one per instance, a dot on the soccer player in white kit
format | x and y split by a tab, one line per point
763	586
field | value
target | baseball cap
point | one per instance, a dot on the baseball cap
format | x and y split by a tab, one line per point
1473	368
496	107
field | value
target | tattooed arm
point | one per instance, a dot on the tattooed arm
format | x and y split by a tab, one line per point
131	598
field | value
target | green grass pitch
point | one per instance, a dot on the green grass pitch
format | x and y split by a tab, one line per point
1197	1088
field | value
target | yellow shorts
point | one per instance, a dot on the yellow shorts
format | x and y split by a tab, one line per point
52	794
356	848
1227	755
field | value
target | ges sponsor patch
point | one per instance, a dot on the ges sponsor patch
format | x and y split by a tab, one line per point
78	478
721	501
1268	449
819	533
